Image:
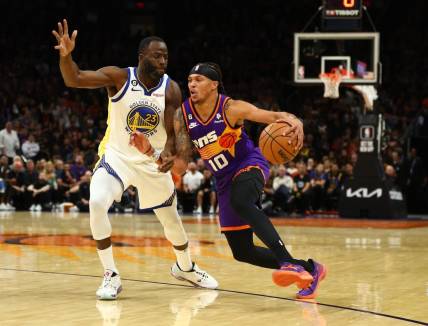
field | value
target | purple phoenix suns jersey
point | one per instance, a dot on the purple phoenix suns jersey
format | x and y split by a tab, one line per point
225	150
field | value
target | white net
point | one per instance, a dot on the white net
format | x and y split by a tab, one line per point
331	83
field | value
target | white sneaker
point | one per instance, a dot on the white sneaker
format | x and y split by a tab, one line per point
196	277
2	207
9	207
38	208
74	209
212	210
32	208
198	210
110	287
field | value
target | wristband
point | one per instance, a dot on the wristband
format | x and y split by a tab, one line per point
150	151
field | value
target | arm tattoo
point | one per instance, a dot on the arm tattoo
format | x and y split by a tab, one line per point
183	143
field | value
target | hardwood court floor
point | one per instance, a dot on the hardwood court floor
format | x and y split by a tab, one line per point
49	272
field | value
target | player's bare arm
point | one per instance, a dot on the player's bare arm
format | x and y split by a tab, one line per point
172	102
184	145
237	111
111	77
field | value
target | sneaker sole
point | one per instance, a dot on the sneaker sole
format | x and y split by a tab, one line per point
314	294
196	285
111	298
286	278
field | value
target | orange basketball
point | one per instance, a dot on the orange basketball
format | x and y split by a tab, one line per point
275	146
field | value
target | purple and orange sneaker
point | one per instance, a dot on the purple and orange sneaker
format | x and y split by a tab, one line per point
319	273
292	273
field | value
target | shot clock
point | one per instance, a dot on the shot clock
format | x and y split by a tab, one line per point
342	15
343	9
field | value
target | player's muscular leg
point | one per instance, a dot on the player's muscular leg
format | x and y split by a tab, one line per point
174	232
246	191
104	190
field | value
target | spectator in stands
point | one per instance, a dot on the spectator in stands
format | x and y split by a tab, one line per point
301	189
78	168
9	142
30	148
291	169
40	165
346	174
333	188
200	165
30	176
16	185
63	182
310	165
206	195
82	193
397	163
390	175
318	180
4	170
51	179
40	193
282	186
192	180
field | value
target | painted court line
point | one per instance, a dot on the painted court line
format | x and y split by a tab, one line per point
233	291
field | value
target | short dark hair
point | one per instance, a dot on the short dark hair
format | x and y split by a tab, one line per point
145	42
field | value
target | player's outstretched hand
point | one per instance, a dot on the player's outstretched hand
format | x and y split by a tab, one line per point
140	142
65	43
296	128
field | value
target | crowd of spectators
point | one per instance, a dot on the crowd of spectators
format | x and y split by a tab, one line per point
49	133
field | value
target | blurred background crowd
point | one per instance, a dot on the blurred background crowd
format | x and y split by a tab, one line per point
49	134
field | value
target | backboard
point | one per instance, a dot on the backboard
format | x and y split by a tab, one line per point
355	55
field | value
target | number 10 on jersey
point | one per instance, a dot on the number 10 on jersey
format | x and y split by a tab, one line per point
218	162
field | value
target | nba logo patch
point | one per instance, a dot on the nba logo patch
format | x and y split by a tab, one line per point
366	132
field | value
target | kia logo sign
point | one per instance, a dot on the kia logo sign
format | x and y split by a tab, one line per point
363	193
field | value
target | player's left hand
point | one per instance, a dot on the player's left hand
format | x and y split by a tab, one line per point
166	161
296	128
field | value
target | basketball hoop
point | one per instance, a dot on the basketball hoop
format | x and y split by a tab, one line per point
331	83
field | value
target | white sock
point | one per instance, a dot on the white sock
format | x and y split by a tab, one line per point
183	259
106	257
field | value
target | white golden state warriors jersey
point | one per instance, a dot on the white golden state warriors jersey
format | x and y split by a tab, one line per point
135	107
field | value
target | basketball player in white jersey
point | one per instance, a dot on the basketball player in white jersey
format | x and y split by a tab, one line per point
141	99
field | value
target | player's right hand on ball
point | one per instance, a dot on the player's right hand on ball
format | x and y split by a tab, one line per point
65	43
296	128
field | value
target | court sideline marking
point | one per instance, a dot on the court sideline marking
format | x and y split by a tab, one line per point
232	291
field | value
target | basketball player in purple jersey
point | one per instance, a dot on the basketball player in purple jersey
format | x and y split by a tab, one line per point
213	123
